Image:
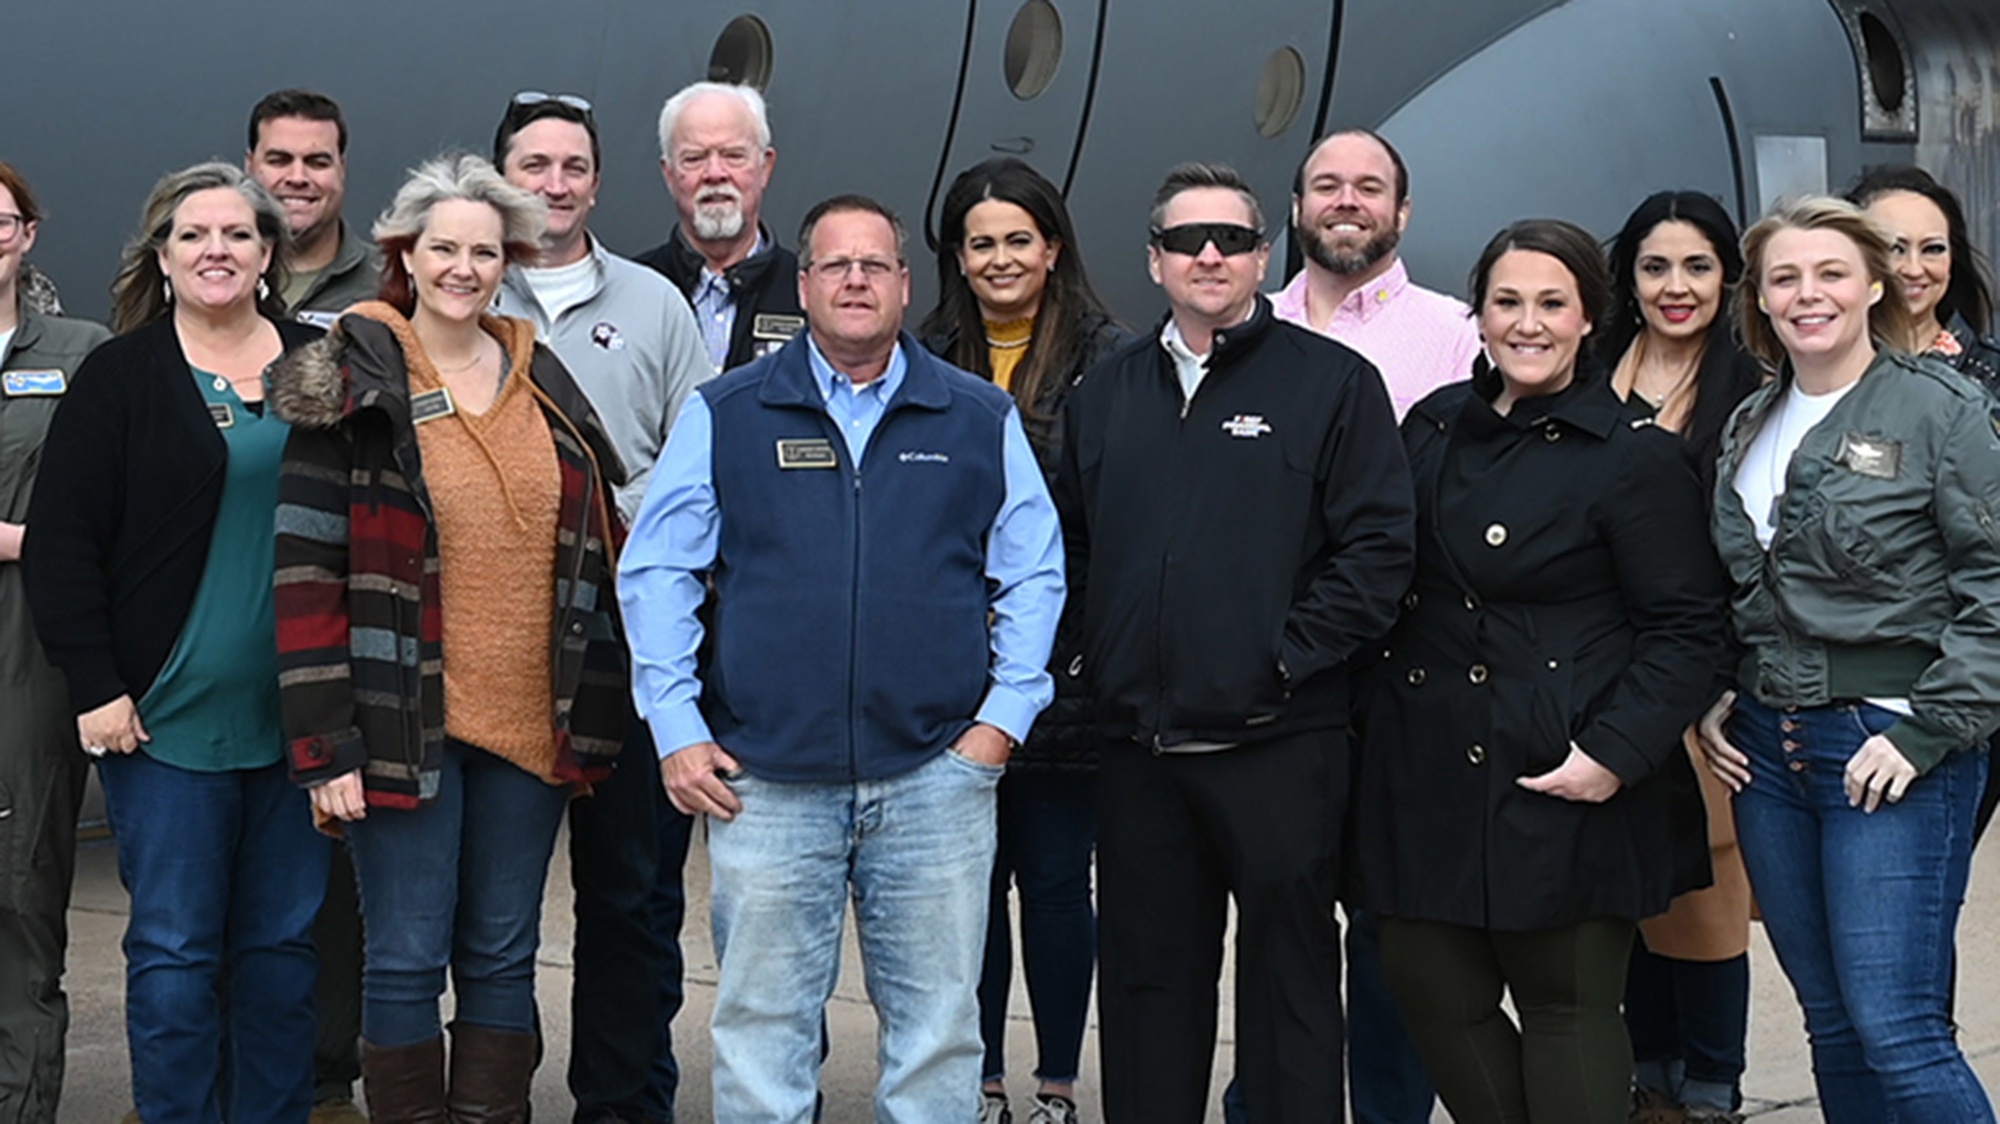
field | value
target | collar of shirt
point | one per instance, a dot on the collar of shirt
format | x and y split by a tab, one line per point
711	280
1188	366
856	410
1290	303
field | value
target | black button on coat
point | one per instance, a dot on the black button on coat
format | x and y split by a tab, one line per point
1566	590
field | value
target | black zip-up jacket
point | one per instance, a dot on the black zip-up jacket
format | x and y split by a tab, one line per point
765	284
1233	550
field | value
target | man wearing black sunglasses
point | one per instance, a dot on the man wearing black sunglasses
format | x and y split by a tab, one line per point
1240	522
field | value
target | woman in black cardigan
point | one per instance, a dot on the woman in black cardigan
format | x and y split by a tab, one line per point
148	570
1521	755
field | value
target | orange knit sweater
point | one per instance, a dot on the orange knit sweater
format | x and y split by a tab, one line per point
496	491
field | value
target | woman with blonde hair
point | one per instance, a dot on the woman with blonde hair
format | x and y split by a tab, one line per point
1853	510
148	567
452	668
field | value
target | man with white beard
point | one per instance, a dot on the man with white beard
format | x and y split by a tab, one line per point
716	156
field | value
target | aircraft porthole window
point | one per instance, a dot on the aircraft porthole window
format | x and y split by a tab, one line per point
1281	91
1034	49
1885	62
742	53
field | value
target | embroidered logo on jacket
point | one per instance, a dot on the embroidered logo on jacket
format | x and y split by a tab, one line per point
914	456
606	336
1246	425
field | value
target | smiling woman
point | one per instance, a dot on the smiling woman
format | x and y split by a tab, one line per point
1562	630
148	574
487	569
1854	493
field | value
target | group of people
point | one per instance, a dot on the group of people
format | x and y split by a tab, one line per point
1540	634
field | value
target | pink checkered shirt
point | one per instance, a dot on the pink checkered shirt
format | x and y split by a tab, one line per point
1419	339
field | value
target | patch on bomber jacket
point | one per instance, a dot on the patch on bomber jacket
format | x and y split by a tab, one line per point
1879	457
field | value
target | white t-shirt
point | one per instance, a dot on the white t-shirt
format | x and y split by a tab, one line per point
1760	479
563	287
7	341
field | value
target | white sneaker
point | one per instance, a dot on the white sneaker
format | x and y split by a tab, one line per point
1051	1108
993	1108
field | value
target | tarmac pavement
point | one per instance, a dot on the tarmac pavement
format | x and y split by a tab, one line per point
1778	1086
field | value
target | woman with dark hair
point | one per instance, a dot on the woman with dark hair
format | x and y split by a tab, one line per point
1945	282
453	670
42	771
1673	356
148	567
1522	777
1016	306
1853	510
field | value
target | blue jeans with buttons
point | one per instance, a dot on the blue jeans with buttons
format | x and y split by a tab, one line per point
1862	908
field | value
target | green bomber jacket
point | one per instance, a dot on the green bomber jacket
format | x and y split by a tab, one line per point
1883	575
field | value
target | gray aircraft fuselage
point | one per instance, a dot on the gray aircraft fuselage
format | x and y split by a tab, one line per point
1503	108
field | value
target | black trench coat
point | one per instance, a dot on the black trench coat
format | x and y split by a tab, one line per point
1566	589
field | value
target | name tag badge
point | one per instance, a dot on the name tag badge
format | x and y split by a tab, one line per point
776	326
321	320
33	384
806	452
1879	457
431	405
223	415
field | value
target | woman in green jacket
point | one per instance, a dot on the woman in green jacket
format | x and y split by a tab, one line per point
1855	506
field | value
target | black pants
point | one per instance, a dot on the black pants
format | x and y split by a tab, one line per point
615	861
1689	1019
337	994
1569	1061
1178	836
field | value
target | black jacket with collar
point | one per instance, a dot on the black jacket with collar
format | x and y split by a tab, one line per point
765	284
1232	550
1566	591
119	525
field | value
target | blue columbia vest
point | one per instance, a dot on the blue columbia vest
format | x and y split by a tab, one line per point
849	640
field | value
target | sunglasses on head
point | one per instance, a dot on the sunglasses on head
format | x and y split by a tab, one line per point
528	99
1189	238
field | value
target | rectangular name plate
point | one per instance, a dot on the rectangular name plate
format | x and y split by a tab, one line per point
806	452
776	326
431	405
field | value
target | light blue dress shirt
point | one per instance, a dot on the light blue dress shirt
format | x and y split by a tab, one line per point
674	541
715	310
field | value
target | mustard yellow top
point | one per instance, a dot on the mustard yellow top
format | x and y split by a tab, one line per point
1006	342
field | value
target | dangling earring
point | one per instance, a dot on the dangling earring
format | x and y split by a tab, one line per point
263	289
167	291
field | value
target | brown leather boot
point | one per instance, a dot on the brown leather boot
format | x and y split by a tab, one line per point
491	1073
404	1084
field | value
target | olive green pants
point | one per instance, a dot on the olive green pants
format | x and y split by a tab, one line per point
41	788
1568	1061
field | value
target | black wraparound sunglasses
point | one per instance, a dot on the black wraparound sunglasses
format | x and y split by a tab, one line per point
1189	238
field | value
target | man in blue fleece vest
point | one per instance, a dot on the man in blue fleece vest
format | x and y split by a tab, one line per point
887	574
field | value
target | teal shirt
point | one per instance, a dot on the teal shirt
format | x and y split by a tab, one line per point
214	705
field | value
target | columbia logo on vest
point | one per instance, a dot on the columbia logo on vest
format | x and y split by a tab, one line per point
913	456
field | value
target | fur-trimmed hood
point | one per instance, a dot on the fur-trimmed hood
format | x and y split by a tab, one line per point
362	363
309	385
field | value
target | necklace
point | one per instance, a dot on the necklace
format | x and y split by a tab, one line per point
1008	345
478	353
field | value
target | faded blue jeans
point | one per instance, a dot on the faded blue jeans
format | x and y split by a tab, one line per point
915	851
1862	908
